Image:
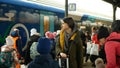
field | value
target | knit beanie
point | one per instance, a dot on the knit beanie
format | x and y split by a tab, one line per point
33	31
103	32
44	45
14	34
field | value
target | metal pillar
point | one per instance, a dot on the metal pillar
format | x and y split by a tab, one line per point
114	12
66	8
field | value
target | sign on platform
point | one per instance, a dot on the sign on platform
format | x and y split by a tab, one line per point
72	7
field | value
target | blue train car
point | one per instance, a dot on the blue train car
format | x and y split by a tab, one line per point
26	15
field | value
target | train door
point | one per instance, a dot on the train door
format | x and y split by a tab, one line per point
46	23
52	23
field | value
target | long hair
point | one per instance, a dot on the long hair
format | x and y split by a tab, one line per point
70	22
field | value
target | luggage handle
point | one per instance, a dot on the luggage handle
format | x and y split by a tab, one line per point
60	62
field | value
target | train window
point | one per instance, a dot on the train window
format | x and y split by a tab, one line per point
3	5
57	23
13	11
47	13
11	6
24	15
27	15
1	12
43	12
7	12
50	13
37	11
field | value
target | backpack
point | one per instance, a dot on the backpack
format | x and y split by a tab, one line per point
6	59
33	50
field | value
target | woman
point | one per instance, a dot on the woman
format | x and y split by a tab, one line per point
87	39
33	38
112	46
94	40
70	43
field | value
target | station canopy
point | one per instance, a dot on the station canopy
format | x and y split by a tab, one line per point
114	2
96	8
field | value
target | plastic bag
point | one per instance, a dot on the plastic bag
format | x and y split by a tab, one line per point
94	49
89	46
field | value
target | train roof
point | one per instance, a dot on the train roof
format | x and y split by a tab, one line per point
32	5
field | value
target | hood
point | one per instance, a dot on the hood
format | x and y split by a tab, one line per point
34	38
14	34
113	35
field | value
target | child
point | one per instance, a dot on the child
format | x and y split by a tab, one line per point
44	60
8	55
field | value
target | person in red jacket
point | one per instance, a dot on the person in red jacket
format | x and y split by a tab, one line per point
94	35
112	46
94	40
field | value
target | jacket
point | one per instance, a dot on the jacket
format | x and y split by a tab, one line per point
43	61
75	49
94	39
112	49
8	57
26	49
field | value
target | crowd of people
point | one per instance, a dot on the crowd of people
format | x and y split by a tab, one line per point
69	42
107	43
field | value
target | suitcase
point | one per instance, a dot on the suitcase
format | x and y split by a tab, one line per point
63	63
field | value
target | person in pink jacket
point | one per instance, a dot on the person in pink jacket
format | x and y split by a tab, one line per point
112	46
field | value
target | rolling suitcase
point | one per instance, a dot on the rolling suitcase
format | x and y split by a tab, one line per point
63	63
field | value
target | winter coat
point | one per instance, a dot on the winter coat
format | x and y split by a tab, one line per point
94	39
8	57
83	38
75	49
43	61
26	49
112	49
17	43
53	48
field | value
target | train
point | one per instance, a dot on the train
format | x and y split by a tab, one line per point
24	16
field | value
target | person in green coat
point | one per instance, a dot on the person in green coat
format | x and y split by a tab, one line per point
69	43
